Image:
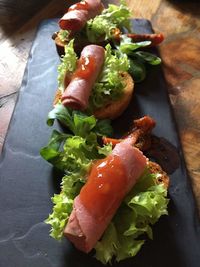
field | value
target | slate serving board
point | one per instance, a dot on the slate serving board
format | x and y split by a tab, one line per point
27	184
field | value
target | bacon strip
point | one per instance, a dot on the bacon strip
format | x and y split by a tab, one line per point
155	38
77	93
83	228
139	135
76	17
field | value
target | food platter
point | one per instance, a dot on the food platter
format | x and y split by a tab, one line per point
28	182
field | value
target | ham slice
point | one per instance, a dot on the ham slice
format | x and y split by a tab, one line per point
78	14
77	93
84	229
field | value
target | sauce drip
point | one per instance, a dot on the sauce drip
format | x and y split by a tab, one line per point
79	6
105	188
86	66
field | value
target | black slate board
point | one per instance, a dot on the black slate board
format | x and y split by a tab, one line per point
26	180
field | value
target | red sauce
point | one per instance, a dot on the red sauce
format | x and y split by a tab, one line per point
86	66
79	6
105	188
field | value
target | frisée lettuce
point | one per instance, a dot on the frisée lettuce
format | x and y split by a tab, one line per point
102	26
110	84
67	65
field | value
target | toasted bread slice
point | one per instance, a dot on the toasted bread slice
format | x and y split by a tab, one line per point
162	177
116	108
60	46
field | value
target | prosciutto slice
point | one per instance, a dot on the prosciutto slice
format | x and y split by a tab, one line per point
84	229
78	14
77	93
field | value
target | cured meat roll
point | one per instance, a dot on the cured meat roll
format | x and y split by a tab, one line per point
77	93
78	14
109	181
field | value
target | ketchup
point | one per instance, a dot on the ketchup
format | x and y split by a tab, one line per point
79	6
86	66
105	188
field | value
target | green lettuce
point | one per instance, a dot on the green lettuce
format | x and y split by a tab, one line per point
75	164
67	65
81	140
101	26
110	84
78	122
137	59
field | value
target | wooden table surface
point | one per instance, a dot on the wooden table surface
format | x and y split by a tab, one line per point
178	20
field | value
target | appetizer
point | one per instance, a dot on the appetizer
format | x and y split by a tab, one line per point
93	210
89	22
97	82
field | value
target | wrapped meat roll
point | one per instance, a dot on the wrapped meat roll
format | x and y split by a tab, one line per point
108	183
78	14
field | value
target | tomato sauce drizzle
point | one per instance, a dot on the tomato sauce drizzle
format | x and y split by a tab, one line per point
105	188
86	66
79	6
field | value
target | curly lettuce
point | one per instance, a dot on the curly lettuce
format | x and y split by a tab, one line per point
102	26
67	65
110	84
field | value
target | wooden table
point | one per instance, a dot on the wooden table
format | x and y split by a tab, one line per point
178	20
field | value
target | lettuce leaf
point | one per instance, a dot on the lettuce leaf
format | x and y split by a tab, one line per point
67	65
148	57
79	147
78	122
137	59
63	204
101	26
128	47
110	84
